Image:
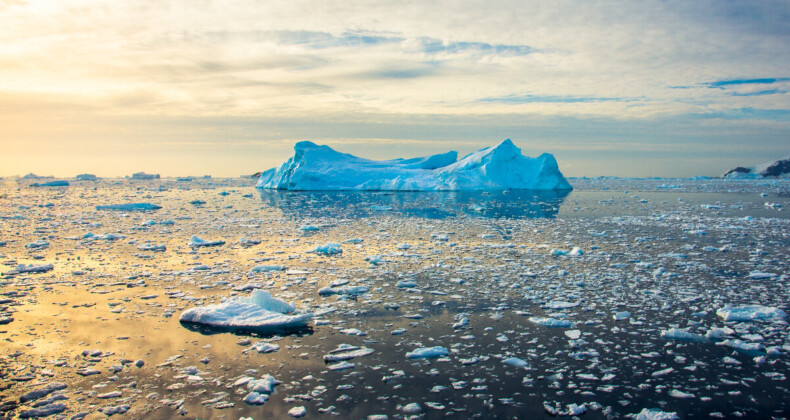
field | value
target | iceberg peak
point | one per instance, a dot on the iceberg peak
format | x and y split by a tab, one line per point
500	167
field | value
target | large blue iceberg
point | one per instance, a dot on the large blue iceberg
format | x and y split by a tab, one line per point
499	167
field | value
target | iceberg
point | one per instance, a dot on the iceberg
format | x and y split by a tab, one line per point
777	169
500	167
259	311
87	177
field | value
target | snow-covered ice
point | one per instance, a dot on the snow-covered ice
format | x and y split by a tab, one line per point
259	311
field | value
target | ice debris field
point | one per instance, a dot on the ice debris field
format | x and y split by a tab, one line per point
153	298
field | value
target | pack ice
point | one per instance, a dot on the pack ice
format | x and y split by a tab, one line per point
499	167
259	311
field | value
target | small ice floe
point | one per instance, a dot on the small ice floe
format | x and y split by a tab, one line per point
560	304
60	183
330	248
345	290
297	412
264	347
621	315
249	242
683	335
550	322
152	247
30	268
428	353
266	268
759	275
260	389
86	177
195	242
346	352
39	244
516	362
308	228
654	414
129	207
743	347
750	313
259	311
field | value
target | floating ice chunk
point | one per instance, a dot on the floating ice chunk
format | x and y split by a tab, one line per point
256	398
266	268
516	362
195	242
655	414
621	315
42	392
248	242
152	247
576	252
412	408
573	334
297	412
427	353
557	252
59	183
258	311
560	304
129	207
330	248
45	411
550	322
750	313
265	385
759	275
86	177
22	268
308	228
742	346
682	335
346	352
499	167
39	244
680	394
351	291
719	333
264	347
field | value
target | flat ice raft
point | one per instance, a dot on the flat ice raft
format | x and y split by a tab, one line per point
315	167
259	311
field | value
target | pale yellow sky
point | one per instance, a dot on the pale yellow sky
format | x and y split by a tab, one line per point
226	88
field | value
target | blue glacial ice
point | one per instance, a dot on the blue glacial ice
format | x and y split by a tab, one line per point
259	311
500	167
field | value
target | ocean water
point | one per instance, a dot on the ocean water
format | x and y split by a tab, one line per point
616	262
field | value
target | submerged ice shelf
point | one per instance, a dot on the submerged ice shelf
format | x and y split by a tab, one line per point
500	167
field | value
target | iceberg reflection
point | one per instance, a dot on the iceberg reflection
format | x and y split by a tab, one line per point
515	204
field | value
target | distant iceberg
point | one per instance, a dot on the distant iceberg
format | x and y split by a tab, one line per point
500	167
776	169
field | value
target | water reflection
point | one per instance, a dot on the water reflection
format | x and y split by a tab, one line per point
267	332
516	204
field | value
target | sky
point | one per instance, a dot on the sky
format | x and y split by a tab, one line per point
194	87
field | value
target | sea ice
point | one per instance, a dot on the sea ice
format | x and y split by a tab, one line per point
258	311
427	353
654	414
498	167
750	313
195	241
